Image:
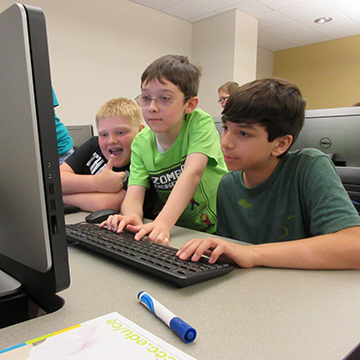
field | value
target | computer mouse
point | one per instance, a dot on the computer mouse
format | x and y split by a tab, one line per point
100	215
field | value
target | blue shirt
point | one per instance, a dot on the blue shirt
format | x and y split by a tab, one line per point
63	137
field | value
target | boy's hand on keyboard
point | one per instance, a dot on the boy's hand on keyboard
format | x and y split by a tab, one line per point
118	223
217	249
156	231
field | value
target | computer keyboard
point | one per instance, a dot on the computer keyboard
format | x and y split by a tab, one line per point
145	255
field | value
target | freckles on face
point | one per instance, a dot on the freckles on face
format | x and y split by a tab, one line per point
115	137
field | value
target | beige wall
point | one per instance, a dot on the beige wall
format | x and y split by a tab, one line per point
98	50
265	63
226	54
208	48
245	47
328	73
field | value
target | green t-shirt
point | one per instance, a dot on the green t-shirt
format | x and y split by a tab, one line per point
303	197
198	135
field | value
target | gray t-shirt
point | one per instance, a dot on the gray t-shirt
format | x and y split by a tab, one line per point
303	197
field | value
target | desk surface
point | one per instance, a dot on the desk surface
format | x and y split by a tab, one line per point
250	314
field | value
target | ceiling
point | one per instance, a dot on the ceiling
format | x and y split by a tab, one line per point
283	24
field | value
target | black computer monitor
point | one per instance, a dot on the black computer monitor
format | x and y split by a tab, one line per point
33	249
336	132
333	131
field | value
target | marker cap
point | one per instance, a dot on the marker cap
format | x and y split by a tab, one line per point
186	332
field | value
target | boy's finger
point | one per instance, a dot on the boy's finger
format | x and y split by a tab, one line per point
134	228
110	163
188	249
140	230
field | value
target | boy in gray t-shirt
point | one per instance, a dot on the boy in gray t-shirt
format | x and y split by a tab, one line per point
291	205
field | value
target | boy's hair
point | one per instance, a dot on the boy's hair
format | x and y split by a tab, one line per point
121	107
176	69
276	104
229	87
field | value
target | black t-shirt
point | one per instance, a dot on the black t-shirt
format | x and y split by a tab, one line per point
88	159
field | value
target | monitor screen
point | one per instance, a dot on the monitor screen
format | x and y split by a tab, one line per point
33	248
333	131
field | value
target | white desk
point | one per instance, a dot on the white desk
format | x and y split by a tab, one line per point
250	314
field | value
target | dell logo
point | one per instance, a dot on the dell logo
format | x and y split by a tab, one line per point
325	143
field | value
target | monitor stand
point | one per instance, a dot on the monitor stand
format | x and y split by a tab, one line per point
8	285
49	303
14	302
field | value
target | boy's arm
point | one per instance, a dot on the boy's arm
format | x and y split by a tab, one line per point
107	181
95	201
339	250
131	210
180	196
134	201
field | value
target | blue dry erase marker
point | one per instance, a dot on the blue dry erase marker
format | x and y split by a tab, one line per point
180	327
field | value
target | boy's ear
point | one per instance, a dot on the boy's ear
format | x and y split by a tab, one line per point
283	144
192	103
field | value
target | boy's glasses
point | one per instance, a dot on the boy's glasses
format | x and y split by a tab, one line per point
223	98
162	102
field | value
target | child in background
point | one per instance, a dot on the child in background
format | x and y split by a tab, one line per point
179	153
64	140
225	90
292	205
94	177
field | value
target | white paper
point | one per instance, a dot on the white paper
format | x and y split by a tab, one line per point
107	337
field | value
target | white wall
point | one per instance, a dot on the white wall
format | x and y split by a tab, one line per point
213	46
245	48
99	49
226	46
265	62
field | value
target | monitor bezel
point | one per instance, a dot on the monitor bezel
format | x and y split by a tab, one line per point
338	125
42	286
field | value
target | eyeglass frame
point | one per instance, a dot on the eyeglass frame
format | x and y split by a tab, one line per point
156	101
223	99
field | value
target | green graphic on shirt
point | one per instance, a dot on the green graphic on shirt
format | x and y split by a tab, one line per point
244	203
285	225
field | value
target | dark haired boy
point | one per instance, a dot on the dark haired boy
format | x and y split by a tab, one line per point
291	205
179	152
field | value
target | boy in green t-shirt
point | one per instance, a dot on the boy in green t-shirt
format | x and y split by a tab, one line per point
291	205
179	153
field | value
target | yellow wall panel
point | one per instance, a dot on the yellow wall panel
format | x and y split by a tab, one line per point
328	73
